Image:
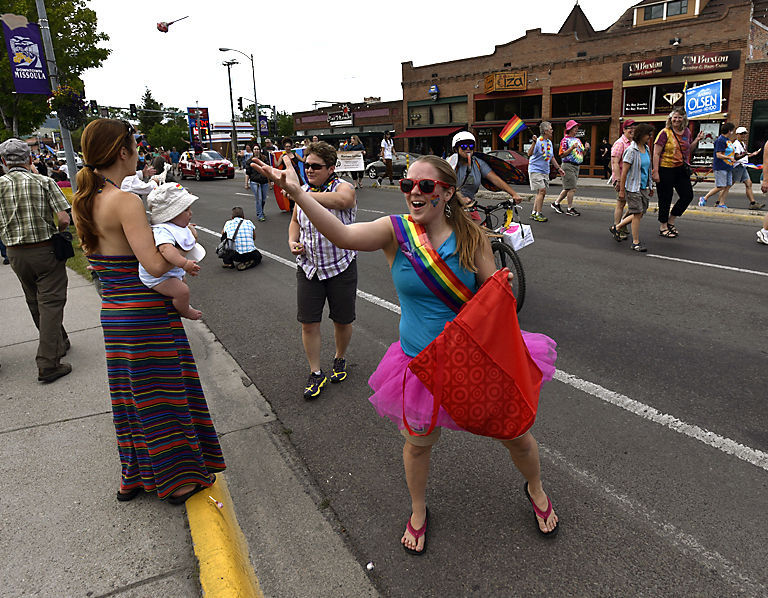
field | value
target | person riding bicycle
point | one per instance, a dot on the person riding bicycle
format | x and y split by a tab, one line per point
469	179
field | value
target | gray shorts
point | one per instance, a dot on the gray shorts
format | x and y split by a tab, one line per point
538	181
571	176
740	174
637	202
723	178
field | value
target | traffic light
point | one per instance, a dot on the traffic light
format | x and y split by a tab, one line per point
134	110
240	104
94	107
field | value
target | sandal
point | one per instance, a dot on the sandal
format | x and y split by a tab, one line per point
417	533
537	512
130	495
616	234
182	498
672	227
668	233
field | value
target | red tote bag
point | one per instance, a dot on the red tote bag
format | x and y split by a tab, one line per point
479	368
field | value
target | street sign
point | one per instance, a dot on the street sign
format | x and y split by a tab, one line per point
704	100
263	125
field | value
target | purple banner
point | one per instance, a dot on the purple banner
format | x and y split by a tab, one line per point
25	51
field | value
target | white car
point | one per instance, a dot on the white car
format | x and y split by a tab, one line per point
61	156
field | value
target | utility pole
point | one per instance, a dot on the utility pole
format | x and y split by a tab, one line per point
53	72
229	64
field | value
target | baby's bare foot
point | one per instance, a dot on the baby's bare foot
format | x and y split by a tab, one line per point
191	313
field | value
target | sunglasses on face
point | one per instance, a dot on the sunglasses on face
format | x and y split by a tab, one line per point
467	146
426	186
314	166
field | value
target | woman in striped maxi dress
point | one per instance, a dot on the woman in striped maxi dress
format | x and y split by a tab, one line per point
165	436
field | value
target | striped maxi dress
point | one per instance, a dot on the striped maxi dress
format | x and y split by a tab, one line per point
165	435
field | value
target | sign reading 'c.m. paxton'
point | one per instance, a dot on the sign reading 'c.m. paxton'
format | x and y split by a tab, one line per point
682	64
506	82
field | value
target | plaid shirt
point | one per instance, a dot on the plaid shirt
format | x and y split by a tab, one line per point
28	203
320	255
244	239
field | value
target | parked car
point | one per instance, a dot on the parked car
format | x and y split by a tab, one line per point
206	165
520	162
61	156
377	170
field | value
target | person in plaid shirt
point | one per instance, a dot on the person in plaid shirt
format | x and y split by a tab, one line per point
30	205
325	272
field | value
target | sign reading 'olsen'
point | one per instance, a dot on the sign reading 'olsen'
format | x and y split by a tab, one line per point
682	64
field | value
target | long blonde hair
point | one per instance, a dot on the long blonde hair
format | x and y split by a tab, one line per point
469	236
682	113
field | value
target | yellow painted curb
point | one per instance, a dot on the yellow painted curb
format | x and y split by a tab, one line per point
220	546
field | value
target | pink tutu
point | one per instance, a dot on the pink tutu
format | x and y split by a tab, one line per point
387	385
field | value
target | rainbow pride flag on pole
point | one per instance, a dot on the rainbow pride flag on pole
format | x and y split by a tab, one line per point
512	128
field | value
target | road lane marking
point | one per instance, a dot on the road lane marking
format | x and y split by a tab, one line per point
371	211
720	267
246	194
685	543
721	443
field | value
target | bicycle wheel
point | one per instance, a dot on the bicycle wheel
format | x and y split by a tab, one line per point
506	257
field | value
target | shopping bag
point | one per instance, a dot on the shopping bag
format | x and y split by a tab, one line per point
479	368
517	235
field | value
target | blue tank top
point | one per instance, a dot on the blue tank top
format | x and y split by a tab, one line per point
423	316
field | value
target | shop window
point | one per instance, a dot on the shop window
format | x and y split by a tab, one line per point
441	114
637	100
679	7
526	107
418	116
458	113
653	12
585	103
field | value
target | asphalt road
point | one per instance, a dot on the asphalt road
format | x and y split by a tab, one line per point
648	506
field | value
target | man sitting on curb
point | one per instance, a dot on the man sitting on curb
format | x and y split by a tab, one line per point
29	206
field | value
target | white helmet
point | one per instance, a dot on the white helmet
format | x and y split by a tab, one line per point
462	136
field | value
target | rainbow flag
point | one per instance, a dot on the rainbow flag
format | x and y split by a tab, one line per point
512	128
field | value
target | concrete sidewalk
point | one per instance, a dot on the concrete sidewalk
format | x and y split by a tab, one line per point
65	534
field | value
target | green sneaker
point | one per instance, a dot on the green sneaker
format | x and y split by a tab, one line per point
315	384
339	371
539	217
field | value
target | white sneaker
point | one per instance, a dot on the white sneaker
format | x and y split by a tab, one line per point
762	236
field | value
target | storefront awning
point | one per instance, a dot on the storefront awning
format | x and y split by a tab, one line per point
429	132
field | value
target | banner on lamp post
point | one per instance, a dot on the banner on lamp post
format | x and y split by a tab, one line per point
263	125
25	52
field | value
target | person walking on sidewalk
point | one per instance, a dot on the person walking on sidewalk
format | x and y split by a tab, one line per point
165	437
740	172
30	205
540	155
387	154
326	272
572	156
617	164
671	170
636	185
460	249
258	183
723	162
762	234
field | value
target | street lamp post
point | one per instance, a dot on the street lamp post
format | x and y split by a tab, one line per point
229	64
255	97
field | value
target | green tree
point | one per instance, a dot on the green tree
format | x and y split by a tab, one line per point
147	120
75	38
284	124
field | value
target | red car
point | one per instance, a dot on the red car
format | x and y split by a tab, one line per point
520	162
206	165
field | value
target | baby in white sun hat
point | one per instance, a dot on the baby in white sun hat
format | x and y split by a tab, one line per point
176	239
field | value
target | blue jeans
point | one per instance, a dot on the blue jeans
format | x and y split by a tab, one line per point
260	191
2	250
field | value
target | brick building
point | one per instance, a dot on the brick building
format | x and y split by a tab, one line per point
636	68
369	120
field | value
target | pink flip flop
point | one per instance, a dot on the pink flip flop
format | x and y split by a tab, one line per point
543	514
417	533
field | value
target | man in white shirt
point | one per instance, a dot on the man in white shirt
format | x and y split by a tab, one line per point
387	153
740	173
65	169
137	184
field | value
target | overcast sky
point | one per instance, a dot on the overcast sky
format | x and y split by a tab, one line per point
304	50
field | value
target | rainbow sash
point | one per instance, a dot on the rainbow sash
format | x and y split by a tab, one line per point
429	266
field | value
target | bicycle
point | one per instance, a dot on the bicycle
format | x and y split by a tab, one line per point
504	256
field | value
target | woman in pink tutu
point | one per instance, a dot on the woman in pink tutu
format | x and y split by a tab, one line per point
436	209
